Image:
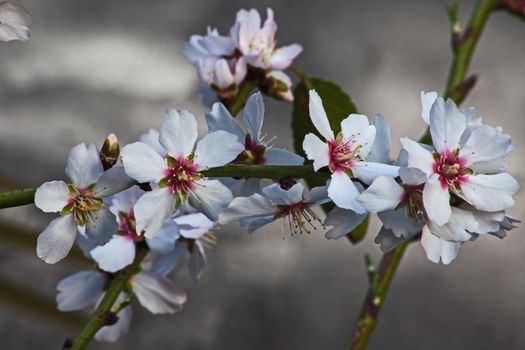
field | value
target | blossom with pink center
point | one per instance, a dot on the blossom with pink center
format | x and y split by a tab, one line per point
467	160
257	148
176	172
80	203
346	155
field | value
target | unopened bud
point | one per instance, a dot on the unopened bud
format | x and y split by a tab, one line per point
110	151
278	85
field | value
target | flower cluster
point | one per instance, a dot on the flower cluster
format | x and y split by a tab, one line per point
249	52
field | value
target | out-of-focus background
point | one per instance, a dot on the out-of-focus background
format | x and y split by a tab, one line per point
100	66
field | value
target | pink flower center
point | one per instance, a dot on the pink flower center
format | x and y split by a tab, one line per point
82	204
181	176
451	169
253	153
127	225
342	154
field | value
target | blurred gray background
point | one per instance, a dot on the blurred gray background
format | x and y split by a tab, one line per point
99	66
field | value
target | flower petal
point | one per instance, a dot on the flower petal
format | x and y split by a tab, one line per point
427	100
165	263
80	290
368	171
254	115
384	194
343	222
437	248
114	332
412	176
246	207
178	132
83	165
418	157
490	192
486	144
217	149
316	150
210	197
380	151
400	223
343	192
387	240
357	128
102	227
118	253
151	138
436	201
220	119
447	124
158	294
152	210
279	196
197	262
278	156
164	241
143	163
55	242
15	22
194	225
283	57
319	117
112	181
52	197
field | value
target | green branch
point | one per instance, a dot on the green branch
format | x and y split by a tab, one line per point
17	198
457	89
104	310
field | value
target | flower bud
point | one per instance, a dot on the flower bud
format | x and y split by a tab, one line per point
110	151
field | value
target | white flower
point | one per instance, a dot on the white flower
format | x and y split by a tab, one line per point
293	205
467	161
178	173
344	154
15	22
222	74
257	150
80	203
257	43
212	45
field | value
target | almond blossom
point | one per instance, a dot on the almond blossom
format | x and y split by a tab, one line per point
467	162
257	148
15	22
176	177
344	154
293	205
80	203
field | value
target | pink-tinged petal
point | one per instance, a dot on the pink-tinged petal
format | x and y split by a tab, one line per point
343	221
80	290
384	194
316	150
285	79
447	124
118	253
217	149
55	242
15	22
418	157
357	128
369	171
427	100
178	132
436	200
490	192
210	197
254	115
220	119
437	248
52	197
246	207
152	210
157	293
114	332
343	192
277	156
319	117
143	163
248	24
113	181
268	29
83	165
283	57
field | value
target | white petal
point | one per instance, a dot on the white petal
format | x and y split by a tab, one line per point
15	22
80	290
158	294
400	223
178	132
318	116
437	248
112	181
344	193
217	149
486	144
380	151
357	128
220	119
456	228
143	163
165	263
490	192
246	207
151	138
418	157
384	194
387	240
197	262
254	115
194	225
223	74
412	176
278	196
368	171
118	253
114	332
447	124
255	224
102	227
83	165
152	210
343	222
316	150
164	240
125	200
55	242
210	197
427	100
52	197
244	187
436	201
278	156
284	56
318	195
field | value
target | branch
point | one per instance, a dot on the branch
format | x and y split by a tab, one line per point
17	198
463	47
115	287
